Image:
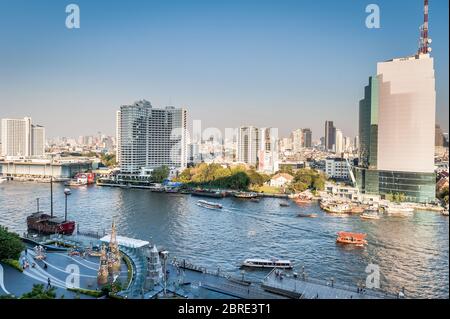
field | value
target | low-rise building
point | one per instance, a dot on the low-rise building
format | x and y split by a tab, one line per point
281	180
336	168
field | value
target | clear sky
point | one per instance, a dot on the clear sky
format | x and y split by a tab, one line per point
282	63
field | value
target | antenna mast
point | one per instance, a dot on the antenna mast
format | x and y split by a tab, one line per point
424	40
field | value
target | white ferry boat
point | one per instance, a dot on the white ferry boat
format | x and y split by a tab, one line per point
211	205
370	215
267	263
399	210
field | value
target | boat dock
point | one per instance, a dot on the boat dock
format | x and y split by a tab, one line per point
309	288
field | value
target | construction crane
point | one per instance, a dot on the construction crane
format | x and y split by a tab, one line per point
425	41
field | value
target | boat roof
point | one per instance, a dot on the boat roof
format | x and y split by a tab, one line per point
354	235
268	260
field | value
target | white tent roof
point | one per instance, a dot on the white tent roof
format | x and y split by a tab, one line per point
126	242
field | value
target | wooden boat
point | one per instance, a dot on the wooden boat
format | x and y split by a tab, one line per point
245	195
204	203
307	215
370	215
205	193
348	238
445	213
357	210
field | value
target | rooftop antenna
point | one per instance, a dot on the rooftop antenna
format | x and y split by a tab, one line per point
425	41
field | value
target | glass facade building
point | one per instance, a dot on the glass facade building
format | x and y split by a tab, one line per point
396	130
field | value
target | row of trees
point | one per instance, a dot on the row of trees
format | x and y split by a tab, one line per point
307	178
215	176
241	178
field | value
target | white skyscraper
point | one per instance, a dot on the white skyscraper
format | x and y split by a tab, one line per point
22	139
149	137
248	145
339	142
268	151
406	116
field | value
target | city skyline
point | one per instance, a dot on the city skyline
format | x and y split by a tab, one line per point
94	81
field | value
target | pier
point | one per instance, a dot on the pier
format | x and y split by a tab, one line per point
309	288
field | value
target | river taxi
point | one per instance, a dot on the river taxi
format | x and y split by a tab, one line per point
267	263
210	205
356	239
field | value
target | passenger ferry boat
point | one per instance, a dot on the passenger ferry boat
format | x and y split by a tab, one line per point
370	215
336	208
267	263
356	239
245	195
399	210
204	203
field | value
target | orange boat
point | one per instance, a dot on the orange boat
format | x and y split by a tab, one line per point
352	238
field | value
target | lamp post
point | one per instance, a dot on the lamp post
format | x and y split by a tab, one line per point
66	193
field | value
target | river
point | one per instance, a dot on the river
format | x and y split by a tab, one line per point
411	252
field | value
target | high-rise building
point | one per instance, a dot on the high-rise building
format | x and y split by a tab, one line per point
21	138
330	136
307	137
149	137
339	144
248	145
439	139
37	140
397	130
297	140
268	152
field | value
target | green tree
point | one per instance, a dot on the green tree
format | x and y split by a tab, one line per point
10	244
108	160
38	292
159	174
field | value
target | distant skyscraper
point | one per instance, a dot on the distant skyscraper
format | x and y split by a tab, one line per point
21	138
268	151
339	144
149	137
397	130
248	145
37	140
439	137
330	136
297	140
307	137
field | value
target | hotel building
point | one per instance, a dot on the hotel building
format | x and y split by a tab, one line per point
149	137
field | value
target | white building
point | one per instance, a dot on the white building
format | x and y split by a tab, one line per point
22	139
149	137
248	141
281	180
336	168
268	151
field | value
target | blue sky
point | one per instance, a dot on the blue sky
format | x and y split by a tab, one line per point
286	63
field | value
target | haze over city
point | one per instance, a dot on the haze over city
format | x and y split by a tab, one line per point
285	64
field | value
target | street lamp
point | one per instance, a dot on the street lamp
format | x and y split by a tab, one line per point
66	193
